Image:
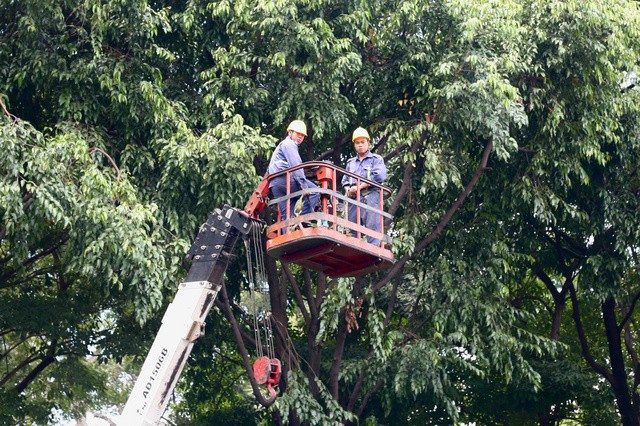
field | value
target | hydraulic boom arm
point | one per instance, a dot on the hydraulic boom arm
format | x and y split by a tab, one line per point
184	320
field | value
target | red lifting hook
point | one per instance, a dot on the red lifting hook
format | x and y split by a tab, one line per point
267	371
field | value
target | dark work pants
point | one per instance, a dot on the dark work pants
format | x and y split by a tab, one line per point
278	187
368	219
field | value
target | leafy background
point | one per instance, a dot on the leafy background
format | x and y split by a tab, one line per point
512	152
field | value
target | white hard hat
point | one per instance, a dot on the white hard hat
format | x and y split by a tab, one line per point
360	133
297	126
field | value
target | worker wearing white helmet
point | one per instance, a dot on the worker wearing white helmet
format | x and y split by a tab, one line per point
285	156
371	166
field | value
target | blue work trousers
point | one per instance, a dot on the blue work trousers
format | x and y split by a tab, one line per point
368	219
278	187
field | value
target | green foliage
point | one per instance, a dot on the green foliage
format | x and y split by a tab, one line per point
215	389
334	300
321	411
126	122
93	211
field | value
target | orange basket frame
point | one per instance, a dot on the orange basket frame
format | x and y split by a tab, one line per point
334	245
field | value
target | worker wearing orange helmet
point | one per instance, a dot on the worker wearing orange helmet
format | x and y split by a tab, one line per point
371	166
285	156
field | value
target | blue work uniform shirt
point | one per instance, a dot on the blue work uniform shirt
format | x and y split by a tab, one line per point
286	156
371	167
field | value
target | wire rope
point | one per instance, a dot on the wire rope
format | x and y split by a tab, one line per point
258	283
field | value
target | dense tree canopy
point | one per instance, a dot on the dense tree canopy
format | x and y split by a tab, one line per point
513	150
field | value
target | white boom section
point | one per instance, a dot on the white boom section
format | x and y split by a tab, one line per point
182	324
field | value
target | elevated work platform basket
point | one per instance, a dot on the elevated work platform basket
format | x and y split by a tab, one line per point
325	240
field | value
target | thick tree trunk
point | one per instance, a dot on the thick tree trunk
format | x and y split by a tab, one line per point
557	319
334	372
279	313
341	338
619	384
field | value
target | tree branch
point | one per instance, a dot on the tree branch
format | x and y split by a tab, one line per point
311	301
115	166
546	280
339	143
628	342
395	152
340	339
11	117
365	399
297	293
460	200
353	397
17	368
247	336
33	259
338	351
445	219
243	350
289	346
402	192
629	312
392	301
321	285
11	348
538	299
586	353
47	360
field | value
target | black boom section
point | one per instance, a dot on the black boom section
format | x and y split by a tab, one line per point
214	244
